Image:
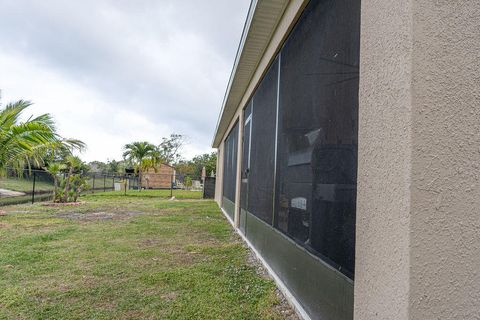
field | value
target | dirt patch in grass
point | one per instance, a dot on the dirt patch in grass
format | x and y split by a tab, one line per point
63	204
99	216
170	296
148	243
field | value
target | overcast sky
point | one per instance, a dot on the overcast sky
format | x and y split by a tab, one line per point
117	71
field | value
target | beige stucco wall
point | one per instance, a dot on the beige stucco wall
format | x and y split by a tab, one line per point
418	221
383	196
445	221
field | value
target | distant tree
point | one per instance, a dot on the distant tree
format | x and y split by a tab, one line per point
185	167
113	166
188	182
170	148
207	160
142	155
194	167
99	167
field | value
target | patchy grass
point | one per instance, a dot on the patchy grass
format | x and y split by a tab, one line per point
24	185
160	194
134	257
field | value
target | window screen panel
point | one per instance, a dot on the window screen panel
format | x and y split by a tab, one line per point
262	154
246	147
317	133
230	164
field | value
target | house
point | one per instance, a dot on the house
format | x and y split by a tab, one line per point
348	152
161	177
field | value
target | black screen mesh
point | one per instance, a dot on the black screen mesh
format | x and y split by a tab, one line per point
230	164
317	140
262	152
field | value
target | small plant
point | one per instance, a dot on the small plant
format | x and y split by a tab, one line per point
188	183
72	184
55	170
79	184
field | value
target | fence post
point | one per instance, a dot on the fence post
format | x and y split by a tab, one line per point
171	186
33	188
203	191
93	184
104	183
113	183
125	183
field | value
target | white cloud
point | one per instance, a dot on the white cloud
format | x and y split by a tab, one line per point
112	72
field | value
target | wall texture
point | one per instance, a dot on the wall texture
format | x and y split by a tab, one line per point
384	164
445	212
418	227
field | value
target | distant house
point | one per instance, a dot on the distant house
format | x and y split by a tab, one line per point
160	178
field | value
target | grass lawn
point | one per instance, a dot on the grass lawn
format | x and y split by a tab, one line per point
24	185
134	257
159	194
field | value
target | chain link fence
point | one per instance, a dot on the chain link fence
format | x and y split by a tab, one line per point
38	185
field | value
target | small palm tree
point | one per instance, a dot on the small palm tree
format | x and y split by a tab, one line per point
73	163
54	169
143	155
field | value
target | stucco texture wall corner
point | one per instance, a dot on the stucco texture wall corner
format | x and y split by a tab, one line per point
418	226
445	233
383	201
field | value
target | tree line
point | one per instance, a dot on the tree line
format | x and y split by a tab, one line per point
143	155
36	144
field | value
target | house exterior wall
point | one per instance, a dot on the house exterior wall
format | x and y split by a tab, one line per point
418	245
417	229
382	265
290	16
161	178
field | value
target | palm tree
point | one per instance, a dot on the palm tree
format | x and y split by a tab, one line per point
18	140
143	155
26	143
54	169
72	163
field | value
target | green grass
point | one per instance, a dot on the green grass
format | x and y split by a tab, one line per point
159	194
134	257
24	185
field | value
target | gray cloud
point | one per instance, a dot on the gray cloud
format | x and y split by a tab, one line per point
167	60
